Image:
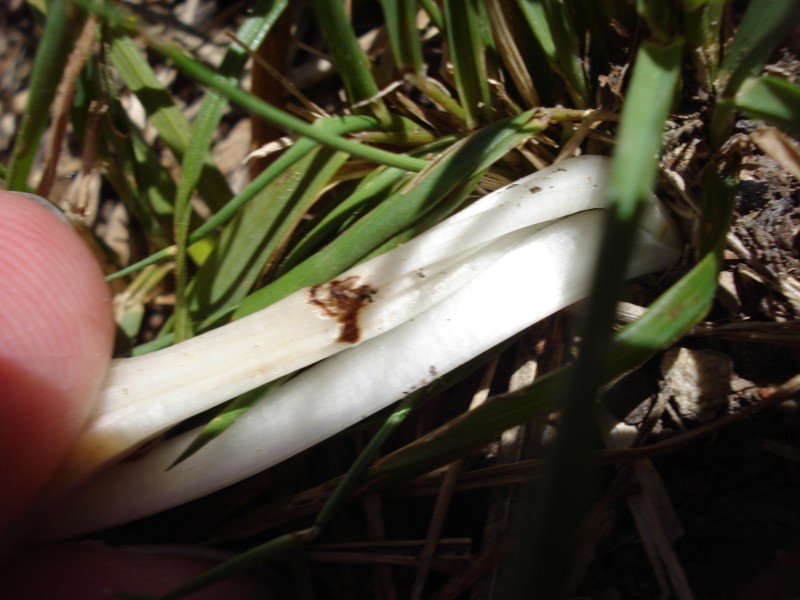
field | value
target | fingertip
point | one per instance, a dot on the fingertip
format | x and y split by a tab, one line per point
89	571
56	335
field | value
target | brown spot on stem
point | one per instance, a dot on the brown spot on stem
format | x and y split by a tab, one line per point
343	299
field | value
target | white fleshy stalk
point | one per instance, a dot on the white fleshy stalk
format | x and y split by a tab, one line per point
413	314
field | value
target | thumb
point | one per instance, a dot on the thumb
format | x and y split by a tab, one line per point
56	333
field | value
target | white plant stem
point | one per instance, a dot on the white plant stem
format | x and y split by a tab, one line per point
440	300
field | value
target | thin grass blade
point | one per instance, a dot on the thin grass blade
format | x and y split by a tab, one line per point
474	155
250	34
370	192
351	62
763	26
169	121
227	417
400	20
51	57
336	126
122	21
771	99
552	25
467	53
566	488
254	241
703	24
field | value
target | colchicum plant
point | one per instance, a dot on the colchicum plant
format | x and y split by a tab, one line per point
483	166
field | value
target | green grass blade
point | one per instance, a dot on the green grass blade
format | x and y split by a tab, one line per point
250	34
771	99
48	66
567	52
322	135
703	22
467	52
356	471
250	559
443	209
134	167
374	188
764	25
537	21
336	126
369	192
434	13
155	188
227	417
400	20
351	61
169	121
207	76
566	490
552	26
252	243
473	155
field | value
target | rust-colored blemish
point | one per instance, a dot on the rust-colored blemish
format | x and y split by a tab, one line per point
343	299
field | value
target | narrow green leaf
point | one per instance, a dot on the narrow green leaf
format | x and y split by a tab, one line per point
400	20
356	471
201	73
397	212
434	13
336	126
351	61
566	488
134	167
703	24
771	99
467	53
537	21
251	244
48	67
323	135
650	95
169	121
250	34
372	189
227	417
764	26
553	29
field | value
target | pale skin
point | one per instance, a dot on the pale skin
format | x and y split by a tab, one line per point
56	333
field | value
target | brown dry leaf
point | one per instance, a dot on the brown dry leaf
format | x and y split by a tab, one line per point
775	144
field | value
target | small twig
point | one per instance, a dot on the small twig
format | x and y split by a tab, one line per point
63	103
